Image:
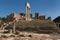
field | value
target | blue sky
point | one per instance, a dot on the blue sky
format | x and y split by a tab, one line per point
44	7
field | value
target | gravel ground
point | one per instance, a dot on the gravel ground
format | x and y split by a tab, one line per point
39	37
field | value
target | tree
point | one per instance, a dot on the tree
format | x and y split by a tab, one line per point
22	14
0	17
31	15
57	19
4	19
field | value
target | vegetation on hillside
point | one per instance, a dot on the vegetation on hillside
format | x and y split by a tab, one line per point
3	19
39	26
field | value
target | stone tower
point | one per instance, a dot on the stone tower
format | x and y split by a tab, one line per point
36	15
28	17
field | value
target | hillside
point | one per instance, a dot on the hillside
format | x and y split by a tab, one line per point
39	26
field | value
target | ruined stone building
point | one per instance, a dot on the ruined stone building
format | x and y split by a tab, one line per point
42	17
36	15
15	16
27	16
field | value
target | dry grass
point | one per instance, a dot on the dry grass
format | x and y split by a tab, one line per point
36	25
